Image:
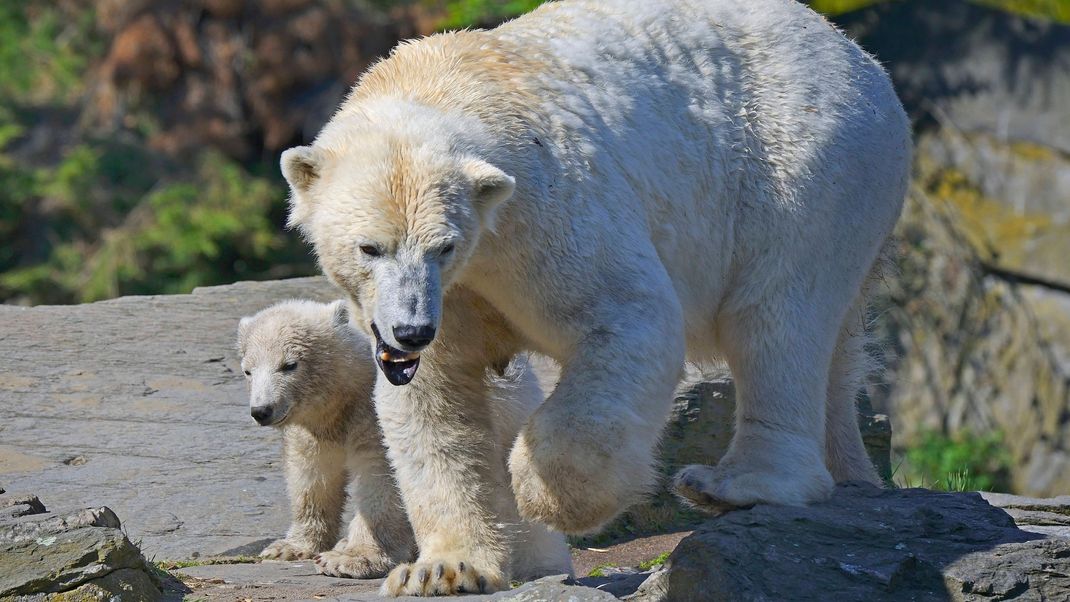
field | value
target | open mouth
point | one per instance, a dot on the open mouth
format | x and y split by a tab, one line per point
398	366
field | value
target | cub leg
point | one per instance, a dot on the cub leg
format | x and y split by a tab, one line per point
315	480
379	536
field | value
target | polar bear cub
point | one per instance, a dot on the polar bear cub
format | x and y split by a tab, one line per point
312	376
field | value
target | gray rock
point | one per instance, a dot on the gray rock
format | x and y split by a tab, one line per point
62	561
13	505
39	525
1047	516
553	588
866	544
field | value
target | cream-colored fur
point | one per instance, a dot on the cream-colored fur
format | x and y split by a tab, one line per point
622	186
331	436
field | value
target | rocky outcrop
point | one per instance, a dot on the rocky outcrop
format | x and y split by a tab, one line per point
78	555
977	311
866	544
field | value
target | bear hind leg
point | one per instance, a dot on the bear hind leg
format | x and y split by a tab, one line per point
779	356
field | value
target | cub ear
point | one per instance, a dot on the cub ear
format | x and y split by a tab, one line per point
301	168
243	333
339	314
490	187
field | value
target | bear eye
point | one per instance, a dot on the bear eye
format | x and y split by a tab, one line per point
370	250
288	367
446	250
247	373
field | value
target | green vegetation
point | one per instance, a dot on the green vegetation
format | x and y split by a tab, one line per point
966	462
662	558
118	224
476	13
171	565
599	571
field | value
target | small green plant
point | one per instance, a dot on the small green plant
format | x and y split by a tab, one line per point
662	558
600	570
171	565
964	462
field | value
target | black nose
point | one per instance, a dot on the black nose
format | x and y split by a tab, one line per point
416	337
261	414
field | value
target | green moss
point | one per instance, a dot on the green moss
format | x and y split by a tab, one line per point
987	224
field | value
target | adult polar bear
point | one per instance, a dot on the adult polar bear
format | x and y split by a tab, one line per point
620	185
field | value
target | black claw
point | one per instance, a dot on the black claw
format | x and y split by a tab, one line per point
440	570
423	576
460	566
482	584
404	575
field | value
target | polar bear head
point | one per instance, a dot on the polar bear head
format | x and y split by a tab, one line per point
394	200
298	357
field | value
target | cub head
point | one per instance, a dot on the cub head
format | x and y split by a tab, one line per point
292	353
394	214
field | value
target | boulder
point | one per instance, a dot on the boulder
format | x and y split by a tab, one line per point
866	544
81	555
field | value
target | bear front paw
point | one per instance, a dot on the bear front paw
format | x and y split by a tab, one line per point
440	578
283	549
572	487
352	564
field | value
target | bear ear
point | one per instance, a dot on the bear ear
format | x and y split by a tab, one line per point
301	168
339	314
243	333
490	187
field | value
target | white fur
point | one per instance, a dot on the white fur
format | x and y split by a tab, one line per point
687	180
331	436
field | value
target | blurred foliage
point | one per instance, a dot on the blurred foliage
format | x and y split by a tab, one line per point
477	13
966	462
107	216
44	51
1056	10
217	225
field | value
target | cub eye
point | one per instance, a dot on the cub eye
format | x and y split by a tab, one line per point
247	373
370	250
446	250
288	367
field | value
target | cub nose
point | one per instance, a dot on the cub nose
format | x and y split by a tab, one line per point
415	337
261	414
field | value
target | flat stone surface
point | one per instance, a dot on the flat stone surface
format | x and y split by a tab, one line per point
138	404
299	581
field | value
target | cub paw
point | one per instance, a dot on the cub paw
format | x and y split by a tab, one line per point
352	564
440	578
717	489
282	549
